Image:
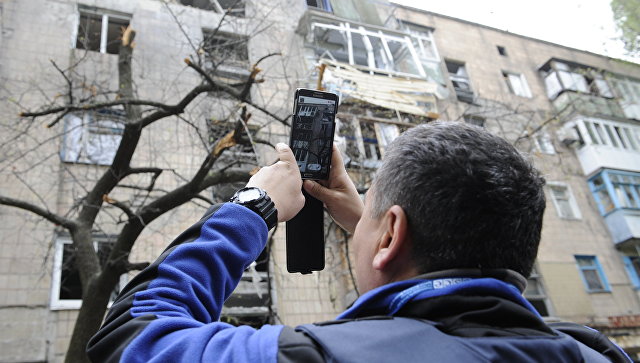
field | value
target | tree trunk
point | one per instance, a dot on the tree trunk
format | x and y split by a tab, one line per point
94	306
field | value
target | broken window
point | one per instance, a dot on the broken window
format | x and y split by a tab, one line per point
66	289
372	50
233	7
100	30
366	141
517	84
561	76
225	49
460	80
93	137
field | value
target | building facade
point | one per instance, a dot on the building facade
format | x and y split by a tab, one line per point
576	114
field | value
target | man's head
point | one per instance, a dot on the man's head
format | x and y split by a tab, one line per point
468	198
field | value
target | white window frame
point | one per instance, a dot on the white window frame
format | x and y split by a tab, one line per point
571	199
80	132
55	302
348	30
612	134
106	15
519	89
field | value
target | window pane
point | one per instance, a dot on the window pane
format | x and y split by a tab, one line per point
552	84
115	30
70	286
379	55
402	58
592	135
621	196
586	261
89	31
611	136
331	41
593	280
225	49
605	201
360	55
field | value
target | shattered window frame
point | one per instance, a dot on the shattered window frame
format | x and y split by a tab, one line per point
392	61
459	76
560	77
366	140
66	292
99	30
92	137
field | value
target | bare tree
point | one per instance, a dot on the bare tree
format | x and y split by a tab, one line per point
98	279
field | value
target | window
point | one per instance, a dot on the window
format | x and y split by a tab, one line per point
592	274
100	30
544	143
628	91
535	293
632	265
614	189
460	80
563	200
92	138
561	76
474	120
66	289
320	4
612	134
233	7
369	50
366	141
502	50
224	49
517	84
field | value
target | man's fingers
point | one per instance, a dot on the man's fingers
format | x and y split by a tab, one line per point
285	154
315	189
336	156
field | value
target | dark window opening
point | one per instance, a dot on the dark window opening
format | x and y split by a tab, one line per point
93	36
70	285
460	81
502	50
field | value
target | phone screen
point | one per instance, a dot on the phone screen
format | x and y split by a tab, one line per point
312	132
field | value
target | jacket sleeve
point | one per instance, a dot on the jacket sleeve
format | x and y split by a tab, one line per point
170	311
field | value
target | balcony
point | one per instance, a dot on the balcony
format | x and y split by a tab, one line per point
603	143
570	103
617	194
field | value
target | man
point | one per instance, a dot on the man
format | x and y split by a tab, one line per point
448	230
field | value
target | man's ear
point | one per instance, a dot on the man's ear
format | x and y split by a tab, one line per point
395	237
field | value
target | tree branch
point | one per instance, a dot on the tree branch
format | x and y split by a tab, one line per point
125	208
44	213
232	92
94	106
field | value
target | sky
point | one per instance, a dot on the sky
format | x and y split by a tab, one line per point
585	25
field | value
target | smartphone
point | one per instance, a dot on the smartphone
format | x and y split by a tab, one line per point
311	141
314	114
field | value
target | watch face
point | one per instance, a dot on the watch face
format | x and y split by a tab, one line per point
248	195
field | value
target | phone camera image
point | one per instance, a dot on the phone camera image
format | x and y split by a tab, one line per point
312	135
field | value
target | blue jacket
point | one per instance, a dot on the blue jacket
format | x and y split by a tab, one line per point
170	311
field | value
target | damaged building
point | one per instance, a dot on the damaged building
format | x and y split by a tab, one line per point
575	114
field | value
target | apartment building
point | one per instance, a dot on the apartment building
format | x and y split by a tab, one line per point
576	114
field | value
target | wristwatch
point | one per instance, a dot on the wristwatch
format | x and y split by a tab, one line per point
258	201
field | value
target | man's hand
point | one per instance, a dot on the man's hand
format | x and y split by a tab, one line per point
338	194
282	183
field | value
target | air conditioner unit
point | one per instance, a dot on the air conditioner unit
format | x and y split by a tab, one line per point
570	137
